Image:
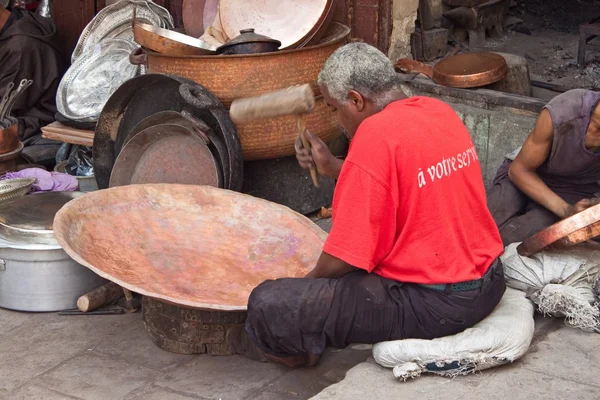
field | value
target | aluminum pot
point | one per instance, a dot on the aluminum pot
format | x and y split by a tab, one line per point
42	278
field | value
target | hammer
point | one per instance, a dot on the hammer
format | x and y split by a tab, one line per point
295	100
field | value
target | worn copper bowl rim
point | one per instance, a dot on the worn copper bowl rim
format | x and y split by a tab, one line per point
470	80
579	228
342	35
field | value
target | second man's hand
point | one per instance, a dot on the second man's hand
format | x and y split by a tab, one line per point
320	156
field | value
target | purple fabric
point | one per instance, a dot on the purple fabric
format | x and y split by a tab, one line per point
46	181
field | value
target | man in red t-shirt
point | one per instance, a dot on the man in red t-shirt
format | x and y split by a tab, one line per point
413	251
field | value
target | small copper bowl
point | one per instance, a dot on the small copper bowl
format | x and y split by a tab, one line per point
9	139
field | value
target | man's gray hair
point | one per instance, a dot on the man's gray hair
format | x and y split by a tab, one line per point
359	67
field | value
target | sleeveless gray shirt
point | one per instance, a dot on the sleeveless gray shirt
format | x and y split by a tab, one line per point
570	167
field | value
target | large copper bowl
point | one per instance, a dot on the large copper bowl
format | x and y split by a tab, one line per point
236	76
195	246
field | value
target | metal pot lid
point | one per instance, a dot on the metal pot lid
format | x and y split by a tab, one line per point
114	21
93	78
249	36
29	219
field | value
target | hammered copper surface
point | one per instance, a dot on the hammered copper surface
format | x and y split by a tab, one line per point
470	70
169	42
166	154
289	21
234	76
196	246
579	228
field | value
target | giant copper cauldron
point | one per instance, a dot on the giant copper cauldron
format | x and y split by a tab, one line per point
235	76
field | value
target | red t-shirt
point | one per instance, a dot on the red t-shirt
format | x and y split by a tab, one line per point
410	204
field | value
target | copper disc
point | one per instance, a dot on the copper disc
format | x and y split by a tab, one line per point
579	228
166	154
470	70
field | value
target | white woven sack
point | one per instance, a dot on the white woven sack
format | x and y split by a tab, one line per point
501	338
560	282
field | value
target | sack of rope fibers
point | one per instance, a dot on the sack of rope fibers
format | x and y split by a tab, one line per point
501	338
560	282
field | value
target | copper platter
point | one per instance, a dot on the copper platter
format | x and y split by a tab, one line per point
166	154
289	21
579	228
128	111
465	70
194	246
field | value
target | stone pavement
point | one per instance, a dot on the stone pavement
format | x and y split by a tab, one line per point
51	357
562	363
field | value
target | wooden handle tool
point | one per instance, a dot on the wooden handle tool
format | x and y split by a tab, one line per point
295	100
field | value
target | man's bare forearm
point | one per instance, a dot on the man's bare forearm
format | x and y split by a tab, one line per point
532	185
329	266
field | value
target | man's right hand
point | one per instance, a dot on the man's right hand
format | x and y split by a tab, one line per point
580	206
319	156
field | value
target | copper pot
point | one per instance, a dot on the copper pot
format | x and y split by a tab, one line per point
9	139
236	76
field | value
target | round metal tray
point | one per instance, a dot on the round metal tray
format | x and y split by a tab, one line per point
30	219
13	188
166	154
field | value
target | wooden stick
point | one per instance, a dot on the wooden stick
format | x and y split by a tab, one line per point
306	143
99	297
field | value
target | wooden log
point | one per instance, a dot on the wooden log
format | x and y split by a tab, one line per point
517	80
99	297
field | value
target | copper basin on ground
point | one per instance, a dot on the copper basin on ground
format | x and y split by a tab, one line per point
194	246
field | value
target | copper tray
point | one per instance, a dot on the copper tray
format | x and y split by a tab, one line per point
195	246
579	228
465	70
146	95
291	22
166	154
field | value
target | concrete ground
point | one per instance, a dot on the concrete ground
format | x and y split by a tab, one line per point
51	357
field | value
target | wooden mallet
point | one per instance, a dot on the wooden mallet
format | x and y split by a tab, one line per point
296	100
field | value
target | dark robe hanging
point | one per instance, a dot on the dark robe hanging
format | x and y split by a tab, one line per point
29	49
